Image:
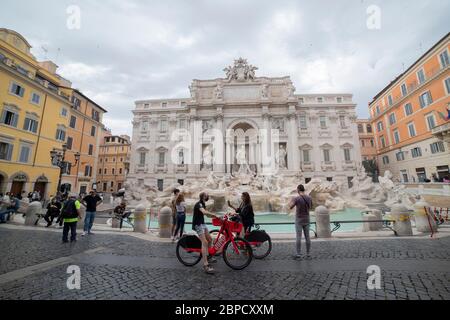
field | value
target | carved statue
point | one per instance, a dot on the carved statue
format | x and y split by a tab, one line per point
291	90
218	91
207	158
240	71
280	158
264	91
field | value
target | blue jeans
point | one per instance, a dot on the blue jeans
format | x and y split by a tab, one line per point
5	215
181	218
89	221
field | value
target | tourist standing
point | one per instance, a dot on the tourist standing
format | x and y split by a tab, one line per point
245	212
198	224
176	192
53	211
180	206
91	202
70	214
303	204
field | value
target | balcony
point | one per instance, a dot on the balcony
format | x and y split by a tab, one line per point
181	168
328	165
161	168
307	166
442	132
349	165
347	133
304	132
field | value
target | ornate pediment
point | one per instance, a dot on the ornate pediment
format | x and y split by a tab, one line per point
240	71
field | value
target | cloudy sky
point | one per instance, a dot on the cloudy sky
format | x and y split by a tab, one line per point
127	50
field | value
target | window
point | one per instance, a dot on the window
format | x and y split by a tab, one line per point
396	136
35	98
10	118
63	112
30	125
91	150
380	126
326	155
73	121
443	57
163	126
383	142
93	129
301	100
404	90
87	171
408	109
416	152
392	119
421	76
342	121
369	128
69	143
371	143
431	121
182	124
330	179
447	85
323	121
425	99
95	115
385	160
360	128
164	104
6	151
113	171
160	183
319	99
411	129
120	170
17	90
303	124
99	171
60	135
24	154
76	102
404	175
105	171
161	159
347	155
390	101
378	110
144	126
306	156
339	99
400	156
362	143
437	147
142	158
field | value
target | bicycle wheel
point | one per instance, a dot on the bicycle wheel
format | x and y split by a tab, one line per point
240	259
260	242
188	250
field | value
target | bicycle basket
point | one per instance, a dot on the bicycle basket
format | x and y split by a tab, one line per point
216	222
236	226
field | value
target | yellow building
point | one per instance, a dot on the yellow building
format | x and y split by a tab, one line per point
34	118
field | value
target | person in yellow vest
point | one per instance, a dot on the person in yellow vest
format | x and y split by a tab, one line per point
70	213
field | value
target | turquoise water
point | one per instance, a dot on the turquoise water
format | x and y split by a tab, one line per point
271	217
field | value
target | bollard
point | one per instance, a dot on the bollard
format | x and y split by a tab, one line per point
402	220
140	213
424	222
323	222
33	210
165	222
80	223
368	225
115	223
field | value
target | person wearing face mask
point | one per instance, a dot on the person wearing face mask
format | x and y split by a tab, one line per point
198	224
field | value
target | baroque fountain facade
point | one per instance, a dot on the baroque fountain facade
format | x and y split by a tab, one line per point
247	133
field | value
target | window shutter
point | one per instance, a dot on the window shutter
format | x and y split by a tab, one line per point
21	91
26	124
3	116
430	100
15	119
9	152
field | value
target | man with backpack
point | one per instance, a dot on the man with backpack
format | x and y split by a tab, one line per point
70	214
303	204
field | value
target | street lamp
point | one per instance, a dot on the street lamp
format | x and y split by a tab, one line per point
58	159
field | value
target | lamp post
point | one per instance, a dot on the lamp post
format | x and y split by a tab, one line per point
58	159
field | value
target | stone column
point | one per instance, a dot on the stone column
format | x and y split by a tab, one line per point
33	210
424	222
139	219
293	162
220	165
323	222
165	222
402	220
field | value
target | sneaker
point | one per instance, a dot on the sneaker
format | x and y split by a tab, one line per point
212	260
90	233
65	241
83	234
208	269
308	256
297	256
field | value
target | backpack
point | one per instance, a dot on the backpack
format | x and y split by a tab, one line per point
69	210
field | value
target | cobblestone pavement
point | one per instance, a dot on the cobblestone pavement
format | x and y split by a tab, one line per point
124	267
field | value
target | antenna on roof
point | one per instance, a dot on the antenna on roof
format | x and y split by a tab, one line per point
45	52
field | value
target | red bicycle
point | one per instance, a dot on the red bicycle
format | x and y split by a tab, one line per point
237	252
